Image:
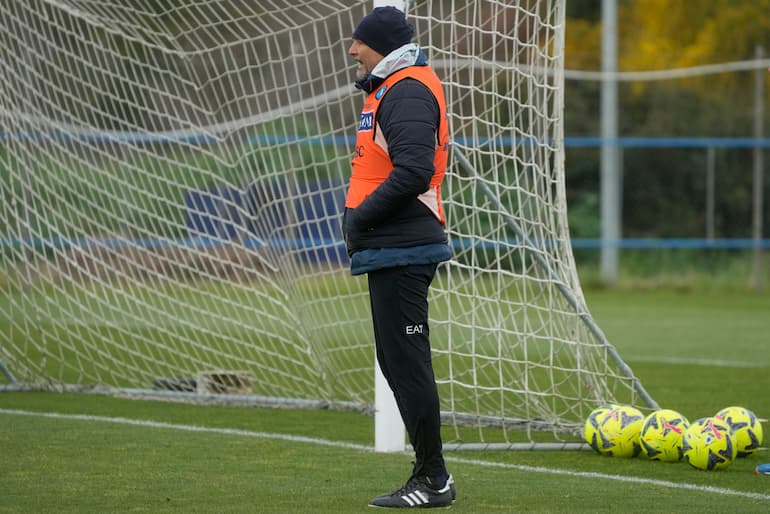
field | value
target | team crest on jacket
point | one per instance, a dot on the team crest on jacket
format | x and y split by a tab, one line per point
367	119
381	92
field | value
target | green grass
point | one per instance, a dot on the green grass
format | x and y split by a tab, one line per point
694	351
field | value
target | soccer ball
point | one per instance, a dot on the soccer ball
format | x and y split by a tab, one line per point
661	435
708	444
613	430
592	432
745	427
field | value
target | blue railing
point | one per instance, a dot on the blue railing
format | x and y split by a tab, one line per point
335	244
332	140
307	243
668	142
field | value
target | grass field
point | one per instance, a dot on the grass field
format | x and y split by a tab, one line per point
695	351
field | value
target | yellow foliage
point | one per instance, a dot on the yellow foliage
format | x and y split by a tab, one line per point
582	45
666	34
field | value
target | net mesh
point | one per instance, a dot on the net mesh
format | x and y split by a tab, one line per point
173	175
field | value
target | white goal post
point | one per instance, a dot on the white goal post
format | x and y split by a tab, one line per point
172	177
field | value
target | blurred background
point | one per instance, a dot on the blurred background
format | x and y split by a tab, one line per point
173	191
682	112
666	115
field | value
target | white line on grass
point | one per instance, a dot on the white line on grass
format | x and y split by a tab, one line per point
720	363
619	478
365	448
189	428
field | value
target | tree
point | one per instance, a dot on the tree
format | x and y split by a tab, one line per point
663	188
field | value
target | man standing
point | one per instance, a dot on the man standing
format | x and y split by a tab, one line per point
394	231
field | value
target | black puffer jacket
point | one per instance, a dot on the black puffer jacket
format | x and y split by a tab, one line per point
392	216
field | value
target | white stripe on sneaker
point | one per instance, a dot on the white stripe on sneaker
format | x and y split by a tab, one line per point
415	498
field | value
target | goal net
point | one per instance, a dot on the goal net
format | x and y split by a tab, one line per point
173	176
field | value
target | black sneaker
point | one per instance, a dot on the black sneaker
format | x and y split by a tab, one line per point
418	492
451	483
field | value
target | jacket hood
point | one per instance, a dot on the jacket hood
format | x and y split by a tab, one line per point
408	55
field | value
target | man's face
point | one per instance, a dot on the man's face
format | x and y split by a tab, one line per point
366	58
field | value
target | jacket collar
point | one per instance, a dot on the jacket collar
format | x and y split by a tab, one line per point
408	55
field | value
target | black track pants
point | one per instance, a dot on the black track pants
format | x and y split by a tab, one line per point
399	301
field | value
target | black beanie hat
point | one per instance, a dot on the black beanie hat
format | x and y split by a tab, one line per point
384	29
